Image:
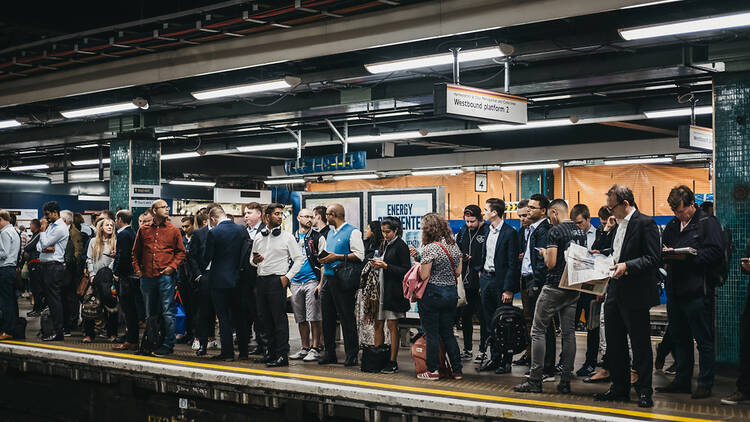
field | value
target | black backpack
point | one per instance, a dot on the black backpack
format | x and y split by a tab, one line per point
718	274
509	329
153	335
46	325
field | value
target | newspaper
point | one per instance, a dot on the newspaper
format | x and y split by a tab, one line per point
583	267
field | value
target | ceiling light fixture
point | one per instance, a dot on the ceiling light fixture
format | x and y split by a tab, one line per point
298	181
552	98
179	155
393	114
93	111
573	120
79	176
654	87
9	123
90	146
267	147
436	172
93	198
522	167
689	26
654	160
383	137
29	167
95	161
231	91
36	181
653	3
192	183
434	60
368	176
676	112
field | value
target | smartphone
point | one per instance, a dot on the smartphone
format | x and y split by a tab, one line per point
322	254
538	249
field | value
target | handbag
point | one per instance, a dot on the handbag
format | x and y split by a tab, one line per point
459	283
83	284
349	274
375	358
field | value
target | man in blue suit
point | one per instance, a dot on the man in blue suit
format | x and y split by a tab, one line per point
223	252
499	278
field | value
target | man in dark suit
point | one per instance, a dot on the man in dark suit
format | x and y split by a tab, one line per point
499	279
252	213
206	318
223	249
631	292
128	282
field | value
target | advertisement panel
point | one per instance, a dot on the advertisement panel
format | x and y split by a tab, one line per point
352	204
408	207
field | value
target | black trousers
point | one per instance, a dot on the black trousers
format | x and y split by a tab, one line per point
592	336
127	291
271	302
743	381
227	305
622	323
473	307
36	282
71	304
206	325
241	316
338	303
54	278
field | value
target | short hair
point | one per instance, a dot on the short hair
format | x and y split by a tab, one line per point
497	205
211	206
321	211
543	201
252	206
393	223
13	219
5	215
125	215
522	204
706	205
35	222
189	218
200	218
51	206
580	209
559	204
67	216
680	195
217	212
604	213
78	218
269	209
622	193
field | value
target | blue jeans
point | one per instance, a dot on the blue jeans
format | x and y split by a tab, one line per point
158	293
437	312
692	319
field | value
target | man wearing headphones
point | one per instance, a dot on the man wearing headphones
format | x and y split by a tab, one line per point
271	253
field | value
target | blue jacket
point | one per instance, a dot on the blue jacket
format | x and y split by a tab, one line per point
223	251
507	266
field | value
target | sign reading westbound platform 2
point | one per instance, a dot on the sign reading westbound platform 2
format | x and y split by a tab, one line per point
469	103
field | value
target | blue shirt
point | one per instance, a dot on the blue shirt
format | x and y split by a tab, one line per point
305	273
56	235
10	243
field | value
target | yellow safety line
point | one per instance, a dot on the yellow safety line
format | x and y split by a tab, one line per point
485	397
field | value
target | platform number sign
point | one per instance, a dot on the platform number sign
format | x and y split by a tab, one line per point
480	182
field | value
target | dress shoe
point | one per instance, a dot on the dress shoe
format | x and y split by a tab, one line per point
202	350
54	337
503	369
6	336
701	393
586	371
529	387
612	395
280	361
224	358
351	361
490	365
125	346
257	350
264	359
673	389
327	359
645	400
523	361
563	387
243	357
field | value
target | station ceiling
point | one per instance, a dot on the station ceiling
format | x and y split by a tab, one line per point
581	60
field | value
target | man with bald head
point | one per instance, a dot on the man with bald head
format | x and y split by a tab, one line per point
343	242
157	253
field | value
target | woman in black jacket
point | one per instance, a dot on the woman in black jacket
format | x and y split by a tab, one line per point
395	263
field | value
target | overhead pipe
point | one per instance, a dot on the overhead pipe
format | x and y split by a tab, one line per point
456	67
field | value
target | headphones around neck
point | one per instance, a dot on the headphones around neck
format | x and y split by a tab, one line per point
276	231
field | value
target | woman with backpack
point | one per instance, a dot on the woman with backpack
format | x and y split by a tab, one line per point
99	264
440	260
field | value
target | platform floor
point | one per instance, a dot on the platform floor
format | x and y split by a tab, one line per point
484	390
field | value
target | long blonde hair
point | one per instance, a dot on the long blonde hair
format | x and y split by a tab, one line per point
99	240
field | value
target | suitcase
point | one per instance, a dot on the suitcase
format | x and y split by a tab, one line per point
419	355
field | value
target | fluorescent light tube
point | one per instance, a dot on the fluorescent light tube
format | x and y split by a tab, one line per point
89	162
267	147
639	161
25	181
451	172
675	112
355	176
93	198
79	176
434	60
708	82
89	146
93	111
530	125
521	167
179	155
552	98
9	123
383	137
653	3
29	167
393	114
285	181
245	89
192	183
711	23
654	87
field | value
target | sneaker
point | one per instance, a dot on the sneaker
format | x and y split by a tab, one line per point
312	356
429	376
548	378
523	361
458	376
672	370
390	368
214	344
480	357
162	351
736	398
33	314
528	387
559	368
467	355
196	344
66	333
299	355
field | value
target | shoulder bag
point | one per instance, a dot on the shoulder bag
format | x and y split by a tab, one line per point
459	283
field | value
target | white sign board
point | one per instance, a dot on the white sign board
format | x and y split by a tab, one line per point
479	104
145	191
141	203
696	137
23	214
480	182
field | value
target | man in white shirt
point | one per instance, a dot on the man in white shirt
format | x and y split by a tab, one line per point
272	251
52	242
10	245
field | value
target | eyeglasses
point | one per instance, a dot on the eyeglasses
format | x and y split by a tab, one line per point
612	208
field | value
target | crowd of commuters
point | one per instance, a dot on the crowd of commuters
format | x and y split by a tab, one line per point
243	275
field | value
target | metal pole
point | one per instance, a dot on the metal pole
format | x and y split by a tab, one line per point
101	161
456	69
562	178
346	137
65	164
692	112
507	75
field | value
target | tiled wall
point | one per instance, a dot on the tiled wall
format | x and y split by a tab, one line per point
732	169
119	182
132	161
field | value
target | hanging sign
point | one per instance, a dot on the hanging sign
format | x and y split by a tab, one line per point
469	103
145	191
480	182
696	137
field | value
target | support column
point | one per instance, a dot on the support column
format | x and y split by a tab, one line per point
134	160
731	185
